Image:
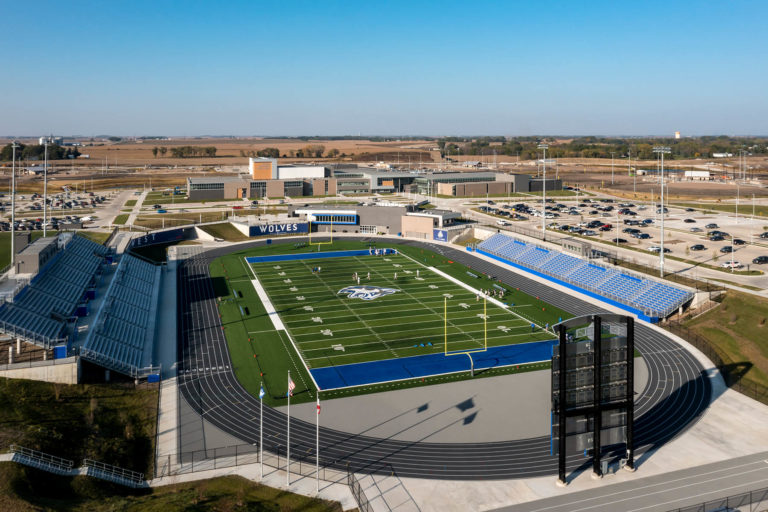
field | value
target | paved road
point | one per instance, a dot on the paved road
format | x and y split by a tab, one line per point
669	491
677	393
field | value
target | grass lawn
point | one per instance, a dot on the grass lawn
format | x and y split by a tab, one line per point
26	489
95	236
112	423
130	202
738	330
226	231
262	354
744	208
121	219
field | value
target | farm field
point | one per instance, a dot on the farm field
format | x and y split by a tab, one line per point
397	326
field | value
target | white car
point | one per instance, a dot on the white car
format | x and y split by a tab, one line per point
731	264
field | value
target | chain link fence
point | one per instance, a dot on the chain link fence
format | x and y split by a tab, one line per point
752	501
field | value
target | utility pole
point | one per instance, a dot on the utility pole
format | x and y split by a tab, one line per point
544	194
662	150
15	145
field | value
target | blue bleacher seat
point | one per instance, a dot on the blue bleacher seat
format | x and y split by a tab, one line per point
655	298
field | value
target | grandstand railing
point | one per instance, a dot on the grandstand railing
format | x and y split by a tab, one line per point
32	337
37	364
41	460
113	473
647	311
751	501
117	365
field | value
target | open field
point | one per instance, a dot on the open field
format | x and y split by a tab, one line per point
262	354
24	489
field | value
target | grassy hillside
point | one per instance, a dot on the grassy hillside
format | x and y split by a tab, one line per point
738	331
112	423
26	489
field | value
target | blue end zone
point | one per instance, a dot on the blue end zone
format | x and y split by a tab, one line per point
315	255
376	372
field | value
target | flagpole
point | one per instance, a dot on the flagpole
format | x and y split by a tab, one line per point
261	430
317	441
288	441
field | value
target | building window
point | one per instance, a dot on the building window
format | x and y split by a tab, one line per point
371	230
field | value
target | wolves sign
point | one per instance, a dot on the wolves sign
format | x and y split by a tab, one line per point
278	229
366	292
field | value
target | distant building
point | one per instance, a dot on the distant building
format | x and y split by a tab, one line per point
722	155
50	139
677	135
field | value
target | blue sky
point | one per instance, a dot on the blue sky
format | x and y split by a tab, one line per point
442	68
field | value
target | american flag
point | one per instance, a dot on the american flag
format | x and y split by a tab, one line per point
291	386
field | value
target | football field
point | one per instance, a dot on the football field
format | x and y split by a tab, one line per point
400	308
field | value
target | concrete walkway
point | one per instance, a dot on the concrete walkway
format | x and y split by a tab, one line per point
136	208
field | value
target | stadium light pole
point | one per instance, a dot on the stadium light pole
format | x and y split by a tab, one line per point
45	191
662	150
13	205
612	153
544	194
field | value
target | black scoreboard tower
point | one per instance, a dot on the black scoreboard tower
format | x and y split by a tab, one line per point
593	392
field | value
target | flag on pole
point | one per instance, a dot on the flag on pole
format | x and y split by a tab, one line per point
291	386
261	393
318	405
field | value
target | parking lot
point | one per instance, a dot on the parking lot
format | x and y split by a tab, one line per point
713	239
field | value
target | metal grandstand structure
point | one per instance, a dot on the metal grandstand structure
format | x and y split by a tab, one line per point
40	311
654	299
123	334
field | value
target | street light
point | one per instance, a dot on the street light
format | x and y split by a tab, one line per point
612	153
45	190
662	150
544	193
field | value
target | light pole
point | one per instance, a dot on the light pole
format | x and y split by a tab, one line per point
737	203
612	153
544	193
662	150
45	191
13	206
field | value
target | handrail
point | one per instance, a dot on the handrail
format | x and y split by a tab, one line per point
42	457
115	471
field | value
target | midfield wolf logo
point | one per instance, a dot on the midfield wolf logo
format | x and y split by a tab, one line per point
367	292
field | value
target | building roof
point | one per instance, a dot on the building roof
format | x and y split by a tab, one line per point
218	179
39	245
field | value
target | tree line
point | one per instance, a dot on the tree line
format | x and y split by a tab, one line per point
186	151
602	147
37	152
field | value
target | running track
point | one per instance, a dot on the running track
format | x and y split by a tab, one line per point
677	392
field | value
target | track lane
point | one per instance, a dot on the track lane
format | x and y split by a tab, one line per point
675	396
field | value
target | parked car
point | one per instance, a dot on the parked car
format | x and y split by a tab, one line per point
716	238
764	235
641	236
731	264
689	209
738	241
726	249
689	221
696	230
697	247
619	241
656	248
760	260
711	226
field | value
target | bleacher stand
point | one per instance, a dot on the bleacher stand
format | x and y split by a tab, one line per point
652	300
123	334
40	311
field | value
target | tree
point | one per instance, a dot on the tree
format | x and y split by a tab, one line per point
333	153
163	150
154	151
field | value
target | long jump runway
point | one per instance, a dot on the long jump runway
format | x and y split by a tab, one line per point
677	393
